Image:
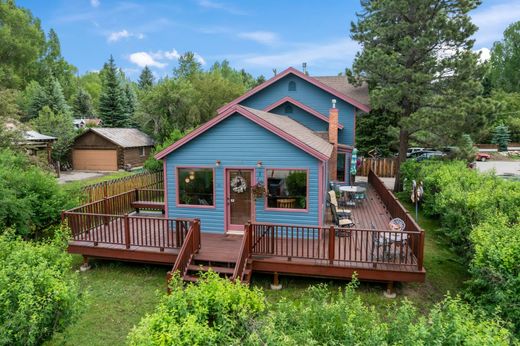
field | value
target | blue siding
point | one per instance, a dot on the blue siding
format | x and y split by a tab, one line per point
309	95
303	117
239	142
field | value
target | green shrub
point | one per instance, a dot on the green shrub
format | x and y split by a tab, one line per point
211	312
38	293
30	198
151	163
495	269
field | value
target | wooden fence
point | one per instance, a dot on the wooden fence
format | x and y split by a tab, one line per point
383	167
145	180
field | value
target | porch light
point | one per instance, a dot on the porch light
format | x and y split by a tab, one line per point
259	164
217	163
187	180
192	175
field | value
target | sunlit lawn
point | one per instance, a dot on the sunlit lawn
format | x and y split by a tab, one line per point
119	294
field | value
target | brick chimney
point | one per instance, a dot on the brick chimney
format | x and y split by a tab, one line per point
333	139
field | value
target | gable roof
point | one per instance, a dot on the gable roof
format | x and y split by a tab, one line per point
291	70
36	136
123	137
342	85
299	105
284	127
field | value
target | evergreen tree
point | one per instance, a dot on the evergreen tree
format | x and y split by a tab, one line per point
82	105
111	99
55	99
504	72
501	137
188	67
129	102
146	78
37	99
417	57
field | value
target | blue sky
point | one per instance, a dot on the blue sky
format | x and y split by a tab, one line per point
255	35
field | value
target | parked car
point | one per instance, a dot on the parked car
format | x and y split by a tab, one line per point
420	152
430	155
483	157
413	150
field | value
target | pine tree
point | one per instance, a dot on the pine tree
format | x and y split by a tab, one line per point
38	100
55	99
129	102
501	137
111	100
146	78
418	59
82	105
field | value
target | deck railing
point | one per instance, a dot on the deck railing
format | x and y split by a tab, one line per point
244	254
396	209
335	245
191	246
162	233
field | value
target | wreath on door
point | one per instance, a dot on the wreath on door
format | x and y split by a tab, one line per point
238	184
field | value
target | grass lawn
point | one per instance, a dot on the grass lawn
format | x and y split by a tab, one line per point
119	294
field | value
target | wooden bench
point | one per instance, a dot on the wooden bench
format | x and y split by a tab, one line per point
148	205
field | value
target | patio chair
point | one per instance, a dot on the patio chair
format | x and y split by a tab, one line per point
333	200
341	222
398	225
378	242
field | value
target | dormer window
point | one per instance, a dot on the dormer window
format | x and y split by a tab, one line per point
292	86
288	109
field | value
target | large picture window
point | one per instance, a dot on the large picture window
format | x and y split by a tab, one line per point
195	186
287	189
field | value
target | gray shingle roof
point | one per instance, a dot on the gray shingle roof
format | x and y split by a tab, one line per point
36	136
295	130
341	84
124	137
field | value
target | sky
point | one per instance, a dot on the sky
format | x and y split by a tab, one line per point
256	35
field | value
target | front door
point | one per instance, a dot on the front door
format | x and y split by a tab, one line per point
239	204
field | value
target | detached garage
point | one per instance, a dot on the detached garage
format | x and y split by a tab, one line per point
110	149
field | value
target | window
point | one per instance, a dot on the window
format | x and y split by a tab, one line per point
287	189
288	109
341	168
195	186
292	86
143	151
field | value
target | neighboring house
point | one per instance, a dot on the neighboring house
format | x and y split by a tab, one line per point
292	135
110	149
82	123
32	141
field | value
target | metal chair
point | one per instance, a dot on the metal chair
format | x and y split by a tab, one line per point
333	200
341	222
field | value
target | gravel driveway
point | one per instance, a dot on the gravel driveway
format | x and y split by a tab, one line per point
501	167
69	176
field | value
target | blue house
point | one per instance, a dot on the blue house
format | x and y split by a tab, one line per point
268	156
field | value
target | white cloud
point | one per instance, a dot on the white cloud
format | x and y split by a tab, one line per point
485	54
493	20
94	3
200	59
118	35
162	55
214	5
263	37
143	59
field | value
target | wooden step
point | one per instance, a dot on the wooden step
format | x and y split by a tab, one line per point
201	268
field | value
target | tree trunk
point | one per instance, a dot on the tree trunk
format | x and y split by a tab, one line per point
403	148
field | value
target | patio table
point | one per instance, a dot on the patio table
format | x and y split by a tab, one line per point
350	191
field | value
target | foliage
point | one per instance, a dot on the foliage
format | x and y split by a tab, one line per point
504	71
465	149
212	312
55	98
146	78
507	113
91	82
495	283
297	183
9	112
30	198
480	216
82	105
417	58
375	130
188	66
112	98
39	293
59	125
151	163
501	137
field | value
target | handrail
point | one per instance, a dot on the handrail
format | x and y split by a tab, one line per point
244	254
190	246
396	209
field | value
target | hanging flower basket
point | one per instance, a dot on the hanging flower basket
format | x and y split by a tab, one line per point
258	190
238	184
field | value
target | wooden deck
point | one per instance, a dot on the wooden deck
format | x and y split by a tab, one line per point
285	249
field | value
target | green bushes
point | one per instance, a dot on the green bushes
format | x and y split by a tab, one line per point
216	311
480	215
30	198
38	294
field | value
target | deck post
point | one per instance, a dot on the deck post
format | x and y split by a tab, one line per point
332	245
248	230
106	211
390	291
420	256
276	286
127	231
136	198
